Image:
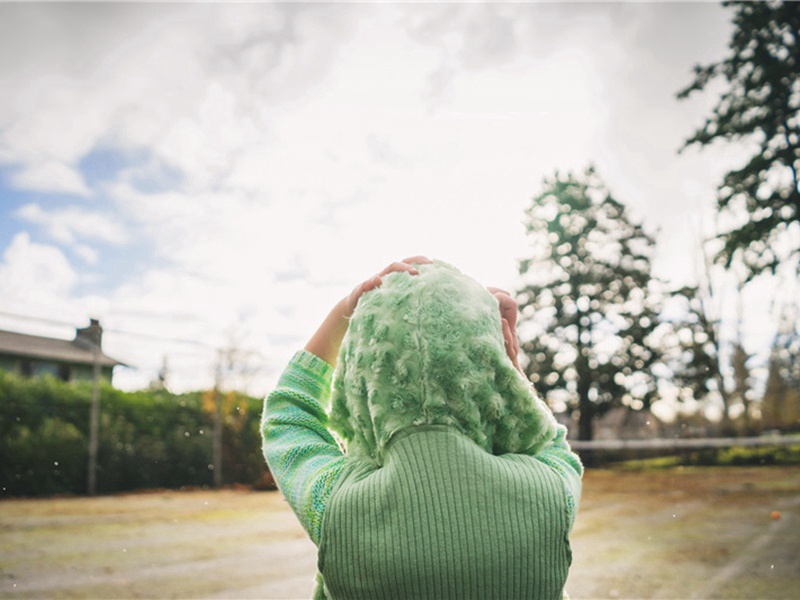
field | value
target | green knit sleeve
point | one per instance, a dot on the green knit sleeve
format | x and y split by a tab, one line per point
558	456
302	454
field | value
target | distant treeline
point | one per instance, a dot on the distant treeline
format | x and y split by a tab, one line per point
147	439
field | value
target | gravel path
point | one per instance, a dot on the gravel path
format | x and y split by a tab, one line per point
681	533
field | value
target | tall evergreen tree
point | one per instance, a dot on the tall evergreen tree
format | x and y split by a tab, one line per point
589	304
760	105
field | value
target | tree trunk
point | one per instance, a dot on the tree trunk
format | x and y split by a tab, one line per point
727	424
586	419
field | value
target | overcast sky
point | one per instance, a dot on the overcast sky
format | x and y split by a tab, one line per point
226	172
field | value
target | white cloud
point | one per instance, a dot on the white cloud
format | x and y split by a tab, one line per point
306	146
70	224
32	273
50	176
188	82
87	254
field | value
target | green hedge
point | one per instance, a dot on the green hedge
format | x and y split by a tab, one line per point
148	439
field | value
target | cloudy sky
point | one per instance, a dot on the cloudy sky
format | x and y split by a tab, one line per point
223	173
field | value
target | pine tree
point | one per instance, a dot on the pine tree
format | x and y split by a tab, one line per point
760	106
589	304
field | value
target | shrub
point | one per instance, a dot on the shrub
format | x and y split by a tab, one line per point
146	439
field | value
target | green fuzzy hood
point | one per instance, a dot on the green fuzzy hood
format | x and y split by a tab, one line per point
428	349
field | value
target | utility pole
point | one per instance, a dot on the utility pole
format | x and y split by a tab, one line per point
94	414
216	448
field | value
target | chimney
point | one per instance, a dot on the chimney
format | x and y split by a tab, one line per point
90	336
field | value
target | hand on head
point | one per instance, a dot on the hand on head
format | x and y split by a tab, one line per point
508	317
327	339
406	265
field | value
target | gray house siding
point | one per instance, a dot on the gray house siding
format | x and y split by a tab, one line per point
68	360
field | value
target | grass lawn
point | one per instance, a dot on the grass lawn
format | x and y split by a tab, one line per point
671	533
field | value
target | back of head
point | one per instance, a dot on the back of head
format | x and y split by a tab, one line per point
428	349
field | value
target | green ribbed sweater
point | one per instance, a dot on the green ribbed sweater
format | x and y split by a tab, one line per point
440	518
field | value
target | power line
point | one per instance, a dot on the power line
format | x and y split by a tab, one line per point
159	338
146	336
149	336
39	319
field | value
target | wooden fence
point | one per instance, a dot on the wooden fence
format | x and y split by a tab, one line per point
686	443
728	450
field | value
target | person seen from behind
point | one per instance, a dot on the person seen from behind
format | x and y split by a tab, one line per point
456	481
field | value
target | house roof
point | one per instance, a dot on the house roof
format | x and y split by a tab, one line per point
34	346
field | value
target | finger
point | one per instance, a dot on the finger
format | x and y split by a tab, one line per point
511	344
495	291
370	284
396	267
512	355
503	297
511	316
506	302
418	260
375	281
508	309
508	337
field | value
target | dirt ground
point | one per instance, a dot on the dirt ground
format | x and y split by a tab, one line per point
679	533
688	533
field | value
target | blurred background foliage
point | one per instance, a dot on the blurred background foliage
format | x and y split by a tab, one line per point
148	439
601	333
